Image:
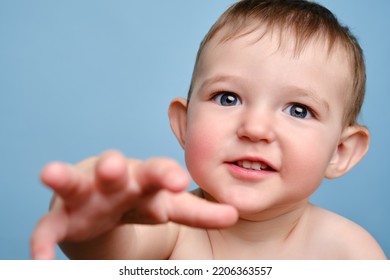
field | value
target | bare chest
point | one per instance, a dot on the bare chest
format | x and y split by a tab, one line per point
203	244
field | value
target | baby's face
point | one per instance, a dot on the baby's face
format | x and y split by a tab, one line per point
263	124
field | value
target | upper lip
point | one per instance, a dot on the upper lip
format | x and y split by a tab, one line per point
252	159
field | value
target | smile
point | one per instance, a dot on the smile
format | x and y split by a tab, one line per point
253	165
250	170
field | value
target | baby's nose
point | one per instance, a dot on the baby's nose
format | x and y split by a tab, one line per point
256	126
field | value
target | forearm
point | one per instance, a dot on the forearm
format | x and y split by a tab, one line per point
114	244
132	242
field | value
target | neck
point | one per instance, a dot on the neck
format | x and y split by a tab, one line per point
260	239
269	225
275	226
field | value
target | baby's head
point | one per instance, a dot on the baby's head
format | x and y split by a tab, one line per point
302	21
272	108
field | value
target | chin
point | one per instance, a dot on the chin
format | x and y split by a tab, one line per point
245	203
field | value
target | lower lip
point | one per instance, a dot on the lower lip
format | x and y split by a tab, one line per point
241	173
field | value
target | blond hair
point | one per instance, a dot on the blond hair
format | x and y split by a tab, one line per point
307	21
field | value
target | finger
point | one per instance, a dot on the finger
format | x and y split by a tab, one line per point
183	208
161	173
111	172
65	181
193	211
50	230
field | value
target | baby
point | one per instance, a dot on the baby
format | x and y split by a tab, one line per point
272	110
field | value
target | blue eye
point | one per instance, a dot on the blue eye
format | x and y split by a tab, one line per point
299	111
227	99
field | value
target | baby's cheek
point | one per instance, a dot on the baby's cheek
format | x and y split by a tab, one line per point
199	153
301	181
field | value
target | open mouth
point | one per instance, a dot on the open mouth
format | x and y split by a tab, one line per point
253	165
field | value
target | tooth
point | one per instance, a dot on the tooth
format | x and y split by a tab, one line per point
246	164
256	165
264	166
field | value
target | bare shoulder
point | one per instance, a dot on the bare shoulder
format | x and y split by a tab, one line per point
342	238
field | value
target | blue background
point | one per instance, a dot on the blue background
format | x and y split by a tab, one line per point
81	77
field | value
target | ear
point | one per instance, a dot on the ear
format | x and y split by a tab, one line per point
352	147
178	118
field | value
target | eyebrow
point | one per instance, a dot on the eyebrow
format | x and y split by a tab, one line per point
216	79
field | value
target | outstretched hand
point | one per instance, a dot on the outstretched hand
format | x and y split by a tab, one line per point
99	194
